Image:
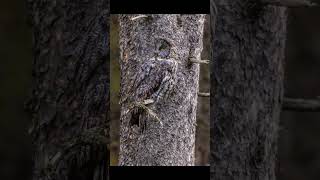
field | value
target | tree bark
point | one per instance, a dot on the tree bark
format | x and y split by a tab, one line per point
155	53
247	78
70	98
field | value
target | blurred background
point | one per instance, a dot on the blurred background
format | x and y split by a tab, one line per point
15	84
203	114
299	147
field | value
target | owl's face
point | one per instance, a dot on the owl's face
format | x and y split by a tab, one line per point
162	49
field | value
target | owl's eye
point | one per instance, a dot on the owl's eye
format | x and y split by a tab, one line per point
163	48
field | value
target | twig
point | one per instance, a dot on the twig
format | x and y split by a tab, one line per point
143	105
148	101
289	3
193	60
301	105
202	94
138	17
292	104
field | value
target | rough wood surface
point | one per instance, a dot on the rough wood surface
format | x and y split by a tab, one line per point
247	87
70	98
155	53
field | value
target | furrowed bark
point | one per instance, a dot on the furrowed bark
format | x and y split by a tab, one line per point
171	140
70	98
247	77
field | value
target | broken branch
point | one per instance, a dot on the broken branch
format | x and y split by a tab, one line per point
193	60
289	3
138	17
202	94
301	105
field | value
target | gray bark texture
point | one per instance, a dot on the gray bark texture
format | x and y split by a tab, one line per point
70	98
247	78
155	53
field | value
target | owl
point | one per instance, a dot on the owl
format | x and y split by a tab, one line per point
155	76
154	80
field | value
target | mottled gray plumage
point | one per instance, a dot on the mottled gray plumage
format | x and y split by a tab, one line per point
154	80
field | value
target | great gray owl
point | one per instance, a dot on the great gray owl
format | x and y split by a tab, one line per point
154	80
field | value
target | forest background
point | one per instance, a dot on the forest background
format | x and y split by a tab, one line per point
299	147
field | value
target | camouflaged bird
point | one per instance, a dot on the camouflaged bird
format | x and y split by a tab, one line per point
152	83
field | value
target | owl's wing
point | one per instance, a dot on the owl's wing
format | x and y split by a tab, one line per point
143	73
135	82
147	83
153	80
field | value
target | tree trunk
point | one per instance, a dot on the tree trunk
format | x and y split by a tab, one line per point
247	78
70	99
159	88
